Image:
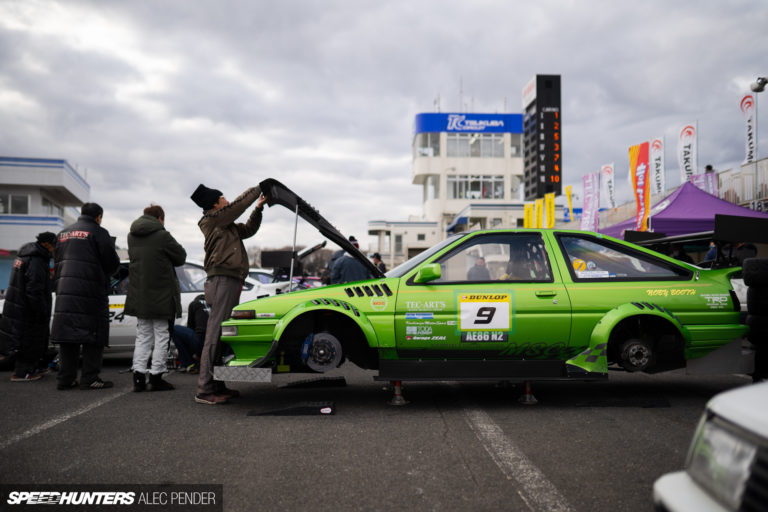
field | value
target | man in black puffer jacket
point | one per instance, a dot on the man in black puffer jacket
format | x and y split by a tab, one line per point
84	259
27	309
153	294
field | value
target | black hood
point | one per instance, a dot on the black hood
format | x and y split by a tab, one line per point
277	193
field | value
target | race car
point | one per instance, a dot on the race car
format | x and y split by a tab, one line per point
499	304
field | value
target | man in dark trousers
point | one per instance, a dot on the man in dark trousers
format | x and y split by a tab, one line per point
27	309
154	296
84	259
226	265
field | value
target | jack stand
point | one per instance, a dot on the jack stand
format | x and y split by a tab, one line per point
527	397
398	399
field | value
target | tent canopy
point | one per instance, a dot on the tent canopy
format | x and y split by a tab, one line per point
687	210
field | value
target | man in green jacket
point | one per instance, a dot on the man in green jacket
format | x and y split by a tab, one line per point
153	295
226	265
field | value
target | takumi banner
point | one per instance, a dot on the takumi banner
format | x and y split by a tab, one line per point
686	151
608	184
638	169
590	207
657	165
749	109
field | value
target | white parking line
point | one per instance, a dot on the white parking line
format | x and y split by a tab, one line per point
61	419
536	490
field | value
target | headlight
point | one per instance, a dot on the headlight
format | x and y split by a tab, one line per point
720	462
243	314
229	330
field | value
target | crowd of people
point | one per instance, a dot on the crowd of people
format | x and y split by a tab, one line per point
84	258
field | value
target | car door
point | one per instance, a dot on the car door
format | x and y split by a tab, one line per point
496	297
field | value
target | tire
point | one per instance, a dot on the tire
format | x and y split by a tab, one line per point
637	355
757	301
758	330
755	271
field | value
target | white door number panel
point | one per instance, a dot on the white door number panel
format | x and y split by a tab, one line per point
484	312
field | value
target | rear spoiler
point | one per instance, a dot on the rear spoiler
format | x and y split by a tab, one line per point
277	193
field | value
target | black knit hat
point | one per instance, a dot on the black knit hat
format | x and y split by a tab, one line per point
46	236
205	197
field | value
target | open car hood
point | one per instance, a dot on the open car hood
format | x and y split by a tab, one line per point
277	193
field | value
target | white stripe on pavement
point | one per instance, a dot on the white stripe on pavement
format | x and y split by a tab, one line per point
536	490
61	419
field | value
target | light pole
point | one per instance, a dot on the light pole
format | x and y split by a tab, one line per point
757	86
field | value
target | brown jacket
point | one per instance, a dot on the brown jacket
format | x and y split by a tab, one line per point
224	250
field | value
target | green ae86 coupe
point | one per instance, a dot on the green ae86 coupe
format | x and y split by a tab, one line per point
522	304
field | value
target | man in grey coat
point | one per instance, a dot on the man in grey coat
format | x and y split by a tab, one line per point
153	295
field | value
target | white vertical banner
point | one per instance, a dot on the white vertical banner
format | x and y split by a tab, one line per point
608	184
686	151
657	165
591	202
749	109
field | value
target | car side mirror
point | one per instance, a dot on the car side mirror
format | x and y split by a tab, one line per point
428	273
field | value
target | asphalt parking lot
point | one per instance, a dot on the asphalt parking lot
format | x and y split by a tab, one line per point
456	446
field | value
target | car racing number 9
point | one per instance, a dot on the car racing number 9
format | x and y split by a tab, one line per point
484	312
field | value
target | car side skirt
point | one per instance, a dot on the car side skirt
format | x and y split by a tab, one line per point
481	370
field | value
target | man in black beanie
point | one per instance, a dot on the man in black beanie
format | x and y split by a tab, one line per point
27	309
226	264
84	259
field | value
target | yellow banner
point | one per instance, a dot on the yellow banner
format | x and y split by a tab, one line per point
568	191
549	202
539	213
528	215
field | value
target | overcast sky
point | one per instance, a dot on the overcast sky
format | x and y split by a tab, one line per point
151	98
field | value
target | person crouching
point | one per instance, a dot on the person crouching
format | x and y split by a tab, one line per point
153	295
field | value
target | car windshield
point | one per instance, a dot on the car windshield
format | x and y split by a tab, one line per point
401	270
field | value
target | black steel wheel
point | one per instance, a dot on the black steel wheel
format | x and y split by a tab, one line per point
637	355
325	352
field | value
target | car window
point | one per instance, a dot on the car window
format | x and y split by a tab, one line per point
591	259
191	278
519	257
118	282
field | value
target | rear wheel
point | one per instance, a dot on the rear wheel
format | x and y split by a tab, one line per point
637	355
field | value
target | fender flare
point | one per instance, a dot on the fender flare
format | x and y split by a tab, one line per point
595	357
335	305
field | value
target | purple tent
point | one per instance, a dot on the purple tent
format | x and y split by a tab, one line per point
687	210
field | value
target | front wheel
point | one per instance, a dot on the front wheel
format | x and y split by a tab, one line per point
637	355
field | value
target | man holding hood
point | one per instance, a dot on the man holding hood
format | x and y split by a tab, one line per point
154	296
226	265
84	259
27	309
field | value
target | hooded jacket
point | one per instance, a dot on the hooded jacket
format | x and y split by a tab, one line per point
27	309
224	250
85	258
153	287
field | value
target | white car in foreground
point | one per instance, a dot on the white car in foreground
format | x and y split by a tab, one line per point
727	464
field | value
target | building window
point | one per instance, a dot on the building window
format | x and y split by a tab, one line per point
475	145
495	222
398	244
427	144
421	237
475	187
50	208
516	144
14	203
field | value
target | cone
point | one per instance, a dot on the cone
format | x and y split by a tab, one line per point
397	398
527	397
